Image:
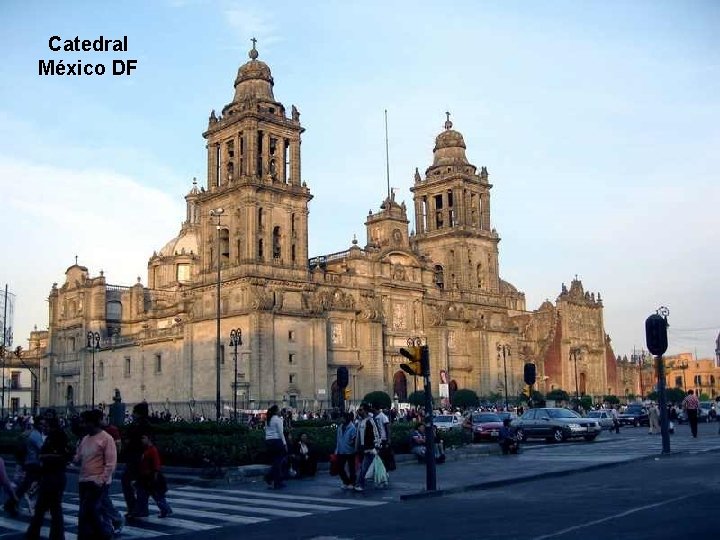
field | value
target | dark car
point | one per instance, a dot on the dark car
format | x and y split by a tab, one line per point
555	424
634	415
484	426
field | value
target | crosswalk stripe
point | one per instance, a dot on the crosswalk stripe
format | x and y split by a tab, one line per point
345	502
230	518
21	526
128	530
240	509
283	505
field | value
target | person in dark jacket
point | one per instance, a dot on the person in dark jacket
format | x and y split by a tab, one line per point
367	442
55	454
506	438
133	450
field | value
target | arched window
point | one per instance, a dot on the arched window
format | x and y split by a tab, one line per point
101	370
224	246
69	397
439	277
276	243
260	218
260	249
479	273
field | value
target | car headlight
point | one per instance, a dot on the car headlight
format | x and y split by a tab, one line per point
574	426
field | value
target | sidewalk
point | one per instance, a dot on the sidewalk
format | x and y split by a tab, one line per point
483	467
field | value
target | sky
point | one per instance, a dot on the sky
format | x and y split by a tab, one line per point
598	121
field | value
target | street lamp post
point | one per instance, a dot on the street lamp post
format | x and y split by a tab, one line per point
235	340
218	212
574	352
504	349
93	343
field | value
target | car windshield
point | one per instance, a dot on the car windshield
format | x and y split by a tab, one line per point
595	414
444	419
562	413
479	418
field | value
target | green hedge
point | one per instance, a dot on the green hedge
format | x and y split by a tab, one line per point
211	445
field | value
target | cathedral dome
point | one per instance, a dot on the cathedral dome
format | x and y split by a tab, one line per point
254	79
449	147
185	243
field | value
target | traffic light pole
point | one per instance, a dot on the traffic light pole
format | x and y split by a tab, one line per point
430	472
657	343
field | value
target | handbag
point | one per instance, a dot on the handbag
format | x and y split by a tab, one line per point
334	465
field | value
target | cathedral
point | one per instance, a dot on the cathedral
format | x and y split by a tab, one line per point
240	265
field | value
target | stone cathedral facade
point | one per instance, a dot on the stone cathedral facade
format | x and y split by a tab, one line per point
433	274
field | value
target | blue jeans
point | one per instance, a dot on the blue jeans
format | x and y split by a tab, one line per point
367	461
93	524
144	491
277	452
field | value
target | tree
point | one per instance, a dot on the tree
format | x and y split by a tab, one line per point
672	395
611	400
378	399
417	398
558	395
465	398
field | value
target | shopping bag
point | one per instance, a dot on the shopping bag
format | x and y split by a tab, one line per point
380	475
334	465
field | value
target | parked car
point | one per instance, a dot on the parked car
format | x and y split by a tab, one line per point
703	414
556	425
634	415
447	421
506	414
603	417
484	426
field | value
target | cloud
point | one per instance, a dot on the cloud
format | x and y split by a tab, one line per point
50	214
246	22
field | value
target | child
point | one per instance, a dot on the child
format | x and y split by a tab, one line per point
151	481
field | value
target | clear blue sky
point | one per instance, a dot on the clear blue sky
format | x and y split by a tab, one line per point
598	122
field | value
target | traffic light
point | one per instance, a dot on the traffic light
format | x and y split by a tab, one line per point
419	365
656	334
413	367
342	376
529	374
346	394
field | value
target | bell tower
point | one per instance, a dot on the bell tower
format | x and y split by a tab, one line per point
452	218
254	175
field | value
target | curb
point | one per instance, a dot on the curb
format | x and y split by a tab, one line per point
540	476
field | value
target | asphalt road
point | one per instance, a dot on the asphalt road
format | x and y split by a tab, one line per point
670	497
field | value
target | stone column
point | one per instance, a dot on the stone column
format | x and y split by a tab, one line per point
210	167
295	162
265	154
485	217
419	228
280	159
251	152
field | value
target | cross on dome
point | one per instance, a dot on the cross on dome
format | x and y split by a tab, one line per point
448	123
253	54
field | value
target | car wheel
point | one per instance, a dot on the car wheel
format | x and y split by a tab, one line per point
636	423
520	435
558	435
590	437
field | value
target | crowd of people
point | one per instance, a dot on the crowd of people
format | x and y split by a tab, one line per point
44	453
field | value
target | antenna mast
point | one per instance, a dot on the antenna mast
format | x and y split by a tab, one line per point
387	157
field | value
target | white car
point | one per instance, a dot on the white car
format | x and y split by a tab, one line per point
447	421
604	418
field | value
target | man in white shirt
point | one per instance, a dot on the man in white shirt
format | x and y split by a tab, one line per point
383	424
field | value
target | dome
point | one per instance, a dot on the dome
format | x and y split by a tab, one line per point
449	147
186	242
254	79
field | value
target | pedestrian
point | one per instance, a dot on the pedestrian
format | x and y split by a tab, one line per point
5	482
97	457
108	508
306	464
345	450
691	405
151	481
132	451
30	464
615	418
55	454
367	443
276	445
654	419
384	429
507	439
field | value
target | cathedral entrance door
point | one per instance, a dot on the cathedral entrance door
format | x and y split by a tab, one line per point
400	386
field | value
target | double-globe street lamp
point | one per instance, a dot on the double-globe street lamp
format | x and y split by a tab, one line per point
93	343
504	350
217	213
235	341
